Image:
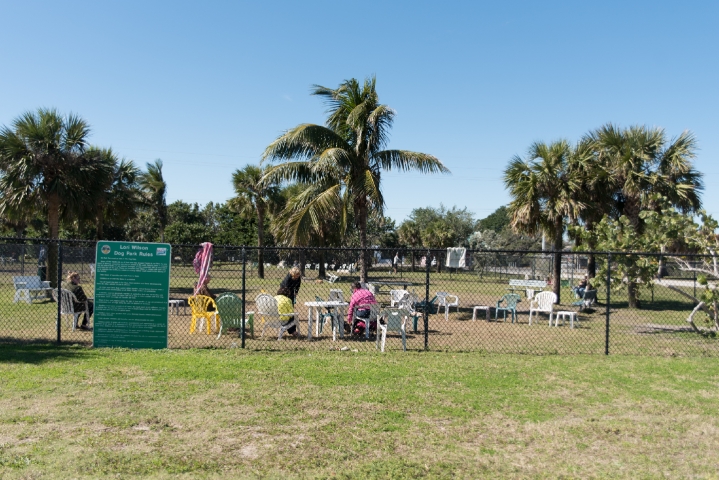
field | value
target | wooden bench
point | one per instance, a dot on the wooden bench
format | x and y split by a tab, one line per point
529	286
29	288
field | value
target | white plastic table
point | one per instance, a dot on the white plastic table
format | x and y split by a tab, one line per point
176	305
564	314
480	307
337	305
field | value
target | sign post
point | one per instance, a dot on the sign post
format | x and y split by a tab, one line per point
132	289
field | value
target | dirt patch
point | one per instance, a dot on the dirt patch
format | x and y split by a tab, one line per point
655	328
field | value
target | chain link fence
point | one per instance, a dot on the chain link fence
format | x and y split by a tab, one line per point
487	301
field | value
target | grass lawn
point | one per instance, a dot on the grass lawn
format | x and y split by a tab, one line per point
68	412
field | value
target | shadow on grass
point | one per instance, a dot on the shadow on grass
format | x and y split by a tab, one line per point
647	305
663	305
37	353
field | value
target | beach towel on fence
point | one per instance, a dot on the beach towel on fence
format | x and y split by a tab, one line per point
456	257
202	262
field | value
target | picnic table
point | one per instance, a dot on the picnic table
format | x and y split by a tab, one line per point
529	286
391	283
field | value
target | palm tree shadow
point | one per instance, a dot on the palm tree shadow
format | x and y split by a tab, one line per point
38	352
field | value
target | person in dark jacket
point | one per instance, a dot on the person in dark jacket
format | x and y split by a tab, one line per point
292	283
73	284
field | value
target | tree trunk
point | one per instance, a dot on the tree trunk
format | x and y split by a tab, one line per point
632	293
632	208
591	244
322	273
413	260
362	223
302	262
591	266
662	269
99	225
53	225
260	242
557	287
439	264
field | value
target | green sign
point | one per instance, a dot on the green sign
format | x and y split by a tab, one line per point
132	288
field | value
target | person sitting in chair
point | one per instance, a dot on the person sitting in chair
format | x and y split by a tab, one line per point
579	289
284	305
73	284
360	296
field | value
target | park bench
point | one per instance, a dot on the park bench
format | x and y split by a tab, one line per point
529	286
29	288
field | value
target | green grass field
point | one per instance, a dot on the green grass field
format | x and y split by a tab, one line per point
659	328
74	412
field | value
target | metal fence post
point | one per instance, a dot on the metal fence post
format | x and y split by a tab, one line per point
606	333
59	291
244	263
428	264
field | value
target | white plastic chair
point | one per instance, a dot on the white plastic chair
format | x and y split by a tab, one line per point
396	296
447	300
542	302
336	295
266	311
67	307
408	303
374	309
395	321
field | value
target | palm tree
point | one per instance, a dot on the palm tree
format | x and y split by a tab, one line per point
117	196
410	235
542	187
42	160
313	215
348	152
639	163
255	197
154	188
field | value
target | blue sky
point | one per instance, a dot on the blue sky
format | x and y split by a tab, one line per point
206	86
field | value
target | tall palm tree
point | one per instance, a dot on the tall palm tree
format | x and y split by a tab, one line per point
255	197
348	151
639	163
154	189
629	156
42	159
542	187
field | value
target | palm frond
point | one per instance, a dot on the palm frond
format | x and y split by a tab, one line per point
405	160
303	142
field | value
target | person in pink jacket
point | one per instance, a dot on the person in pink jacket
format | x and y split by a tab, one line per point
360	296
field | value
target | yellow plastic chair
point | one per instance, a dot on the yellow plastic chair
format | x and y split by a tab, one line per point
199	305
